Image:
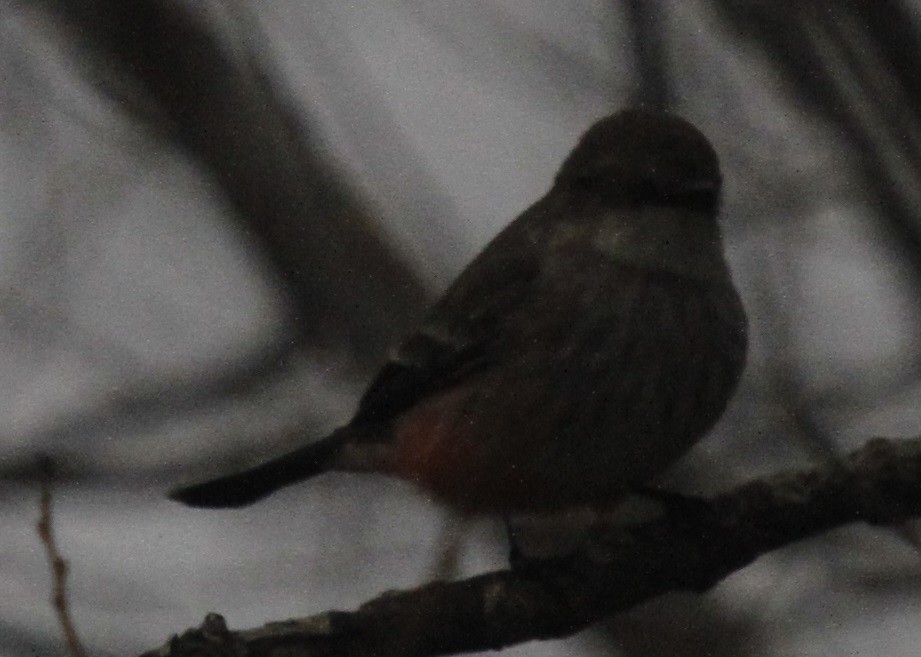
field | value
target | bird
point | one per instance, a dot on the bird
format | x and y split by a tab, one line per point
587	347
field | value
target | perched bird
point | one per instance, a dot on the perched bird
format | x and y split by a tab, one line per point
586	349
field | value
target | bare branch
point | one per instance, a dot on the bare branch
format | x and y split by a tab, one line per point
622	567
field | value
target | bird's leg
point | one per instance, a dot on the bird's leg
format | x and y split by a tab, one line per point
516	556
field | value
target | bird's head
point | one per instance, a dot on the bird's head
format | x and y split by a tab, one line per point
641	156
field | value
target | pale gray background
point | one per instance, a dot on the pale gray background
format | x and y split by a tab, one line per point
120	270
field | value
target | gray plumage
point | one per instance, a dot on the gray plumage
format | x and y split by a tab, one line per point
589	345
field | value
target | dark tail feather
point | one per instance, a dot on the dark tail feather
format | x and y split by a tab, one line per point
246	487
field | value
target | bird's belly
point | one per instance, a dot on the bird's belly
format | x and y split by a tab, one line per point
540	453
578	426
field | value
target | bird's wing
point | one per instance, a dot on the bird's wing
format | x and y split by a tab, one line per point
468	330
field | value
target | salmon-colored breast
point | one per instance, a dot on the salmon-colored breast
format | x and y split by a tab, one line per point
438	447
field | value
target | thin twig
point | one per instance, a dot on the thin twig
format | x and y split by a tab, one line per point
58	566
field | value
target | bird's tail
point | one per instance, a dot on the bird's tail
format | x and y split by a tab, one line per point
248	486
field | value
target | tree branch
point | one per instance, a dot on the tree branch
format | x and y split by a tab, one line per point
623	566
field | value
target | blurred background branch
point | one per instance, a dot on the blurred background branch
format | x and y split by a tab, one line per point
309	223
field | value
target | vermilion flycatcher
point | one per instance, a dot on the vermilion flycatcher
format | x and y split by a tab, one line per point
588	347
